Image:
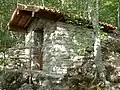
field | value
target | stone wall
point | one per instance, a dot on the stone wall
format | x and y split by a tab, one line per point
62	43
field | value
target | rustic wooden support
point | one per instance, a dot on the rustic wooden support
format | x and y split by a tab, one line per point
39	42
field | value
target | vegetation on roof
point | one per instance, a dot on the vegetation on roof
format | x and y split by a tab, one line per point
108	10
78	11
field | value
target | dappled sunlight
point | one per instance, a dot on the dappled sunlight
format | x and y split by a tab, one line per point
59	45
58	48
108	3
82	39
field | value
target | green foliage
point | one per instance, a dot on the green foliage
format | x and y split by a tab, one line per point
108	11
12	80
103	36
76	8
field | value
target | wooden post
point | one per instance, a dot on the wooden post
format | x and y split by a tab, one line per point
38	41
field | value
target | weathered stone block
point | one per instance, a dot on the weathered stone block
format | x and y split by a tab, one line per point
61	43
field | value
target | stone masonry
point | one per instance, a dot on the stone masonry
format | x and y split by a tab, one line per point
61	44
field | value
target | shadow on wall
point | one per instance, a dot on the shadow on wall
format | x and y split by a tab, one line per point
62	42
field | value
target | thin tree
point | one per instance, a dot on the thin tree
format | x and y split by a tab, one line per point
97	43
118	15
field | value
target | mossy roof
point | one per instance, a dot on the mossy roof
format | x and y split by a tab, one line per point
23	16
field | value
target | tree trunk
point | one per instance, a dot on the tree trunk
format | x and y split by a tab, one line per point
97	43
118	16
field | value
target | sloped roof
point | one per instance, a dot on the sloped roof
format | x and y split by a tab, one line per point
23	15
